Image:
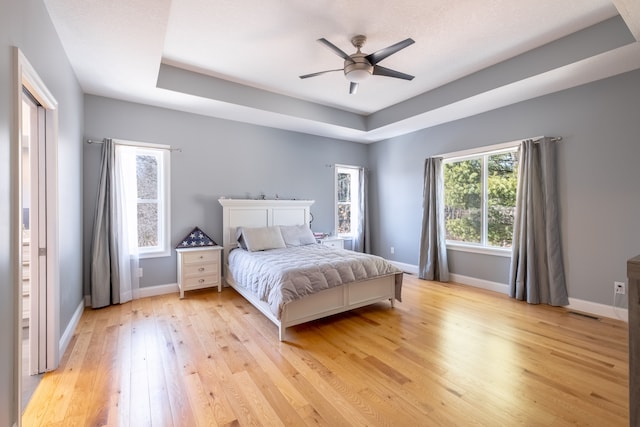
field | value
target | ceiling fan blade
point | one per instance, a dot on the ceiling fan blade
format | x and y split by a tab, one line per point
336	49
306	76
378	56
388	72
353	88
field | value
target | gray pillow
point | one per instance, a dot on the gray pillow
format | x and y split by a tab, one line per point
262	238
297	235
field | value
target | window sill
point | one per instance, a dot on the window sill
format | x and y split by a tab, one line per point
479	249
159	254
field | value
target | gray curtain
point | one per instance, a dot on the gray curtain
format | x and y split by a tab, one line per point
537	273
105	275
362	242
114	250
433	243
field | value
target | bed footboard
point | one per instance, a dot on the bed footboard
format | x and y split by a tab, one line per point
326	303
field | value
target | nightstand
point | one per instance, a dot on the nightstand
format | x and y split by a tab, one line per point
334	242
199	268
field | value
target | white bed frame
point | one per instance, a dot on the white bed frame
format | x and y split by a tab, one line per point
262	213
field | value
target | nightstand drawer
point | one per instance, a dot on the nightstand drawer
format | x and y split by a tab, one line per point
200	256
200	282
191	270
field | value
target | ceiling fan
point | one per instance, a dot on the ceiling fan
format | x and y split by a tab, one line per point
359	66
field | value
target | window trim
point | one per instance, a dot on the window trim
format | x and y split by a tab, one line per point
354	201
164	178
475	153
478	249
479	150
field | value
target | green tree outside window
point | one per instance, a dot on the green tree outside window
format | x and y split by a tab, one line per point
467	193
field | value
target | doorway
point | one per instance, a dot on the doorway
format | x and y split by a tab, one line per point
33	232
35	227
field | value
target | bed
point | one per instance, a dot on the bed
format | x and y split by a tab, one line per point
239	214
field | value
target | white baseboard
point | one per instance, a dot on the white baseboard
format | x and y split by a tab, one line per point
152	291
584	306
479	283
149	291
597	309
407	268
65	338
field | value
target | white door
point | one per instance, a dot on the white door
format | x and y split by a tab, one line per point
36	173
34	230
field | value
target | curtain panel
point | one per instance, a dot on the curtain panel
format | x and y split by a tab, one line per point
103	270
536	273
361	241
433	241
114	249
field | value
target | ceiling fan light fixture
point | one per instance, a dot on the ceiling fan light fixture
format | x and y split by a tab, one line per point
358	69
357	76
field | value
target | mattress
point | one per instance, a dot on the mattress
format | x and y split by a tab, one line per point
279	276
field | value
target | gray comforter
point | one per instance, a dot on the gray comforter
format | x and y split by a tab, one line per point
278	276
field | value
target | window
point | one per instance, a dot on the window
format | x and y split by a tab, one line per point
152	198
347	202
480	198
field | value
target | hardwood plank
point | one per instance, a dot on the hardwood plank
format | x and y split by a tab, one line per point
447	355
159	404
260	406
229	348
120	398
275	386
169	331
96	382
45	391
207	329
60	399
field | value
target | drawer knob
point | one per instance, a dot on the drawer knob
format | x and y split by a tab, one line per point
201	269
201	256
201	280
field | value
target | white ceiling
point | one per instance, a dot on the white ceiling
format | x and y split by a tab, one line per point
116	48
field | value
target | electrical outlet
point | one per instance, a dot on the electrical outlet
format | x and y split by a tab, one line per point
392	250
140	272
619	287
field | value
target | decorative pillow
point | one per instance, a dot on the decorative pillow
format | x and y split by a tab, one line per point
240	239
262	238
297	235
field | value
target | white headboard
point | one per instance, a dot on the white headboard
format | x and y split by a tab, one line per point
259	213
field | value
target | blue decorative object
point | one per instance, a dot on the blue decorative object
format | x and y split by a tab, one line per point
196	239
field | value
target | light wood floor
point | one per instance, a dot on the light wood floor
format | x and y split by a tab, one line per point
447	355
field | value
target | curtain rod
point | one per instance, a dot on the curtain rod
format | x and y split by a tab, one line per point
551	138
494	147
91	141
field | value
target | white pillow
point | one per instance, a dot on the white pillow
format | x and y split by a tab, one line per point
262	238
297	235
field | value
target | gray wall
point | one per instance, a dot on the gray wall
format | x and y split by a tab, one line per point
26	24
598	121
598	178
218	158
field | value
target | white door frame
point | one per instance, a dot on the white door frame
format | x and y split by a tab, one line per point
38	238
26	76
